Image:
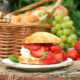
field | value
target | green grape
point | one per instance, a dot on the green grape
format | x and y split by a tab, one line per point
64	38
72	28
53	30
63	25
58	17
70	31
57	27
45	10
58	14
66	19
54	23
43	21
67	45
69	24
61	45
59	33
72	44
55	43
67	32
73	36
49	20
69	40
41	14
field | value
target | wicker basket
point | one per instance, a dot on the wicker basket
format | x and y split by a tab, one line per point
12	34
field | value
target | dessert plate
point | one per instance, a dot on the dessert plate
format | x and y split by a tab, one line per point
27	67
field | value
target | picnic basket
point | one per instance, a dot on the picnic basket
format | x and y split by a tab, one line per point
12	34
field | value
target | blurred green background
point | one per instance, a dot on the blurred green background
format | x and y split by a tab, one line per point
73	7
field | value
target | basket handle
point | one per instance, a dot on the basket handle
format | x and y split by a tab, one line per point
31	6
35	5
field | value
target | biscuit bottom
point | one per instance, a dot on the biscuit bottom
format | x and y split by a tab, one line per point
24	60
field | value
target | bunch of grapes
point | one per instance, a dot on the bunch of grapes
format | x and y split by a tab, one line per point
63	27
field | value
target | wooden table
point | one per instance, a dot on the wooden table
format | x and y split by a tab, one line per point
7	73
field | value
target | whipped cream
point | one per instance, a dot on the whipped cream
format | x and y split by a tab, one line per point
26	53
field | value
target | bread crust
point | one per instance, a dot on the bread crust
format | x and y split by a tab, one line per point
29	18
42	37
15	19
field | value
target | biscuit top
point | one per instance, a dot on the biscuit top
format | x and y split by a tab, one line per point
42	37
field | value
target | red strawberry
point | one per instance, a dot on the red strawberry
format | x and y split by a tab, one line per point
38	53
65	57
77	46
78	58
17	55
32	46
46	48
49	58
72	54
55	48
48	44
59	57
62	52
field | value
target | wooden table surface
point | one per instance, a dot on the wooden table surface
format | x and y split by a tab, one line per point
7	73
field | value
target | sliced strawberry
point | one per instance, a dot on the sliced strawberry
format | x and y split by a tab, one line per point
59	57
48	44
17	55
46	48
38	53
55	48
49	59
65	57
32	46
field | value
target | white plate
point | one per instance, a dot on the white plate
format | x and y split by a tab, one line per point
27	67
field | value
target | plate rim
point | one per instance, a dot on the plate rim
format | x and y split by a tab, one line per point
27	66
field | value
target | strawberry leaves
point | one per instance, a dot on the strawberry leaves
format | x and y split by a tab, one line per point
44	55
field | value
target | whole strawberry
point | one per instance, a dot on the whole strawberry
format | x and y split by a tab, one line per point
72	54
48	58
77	46
78	58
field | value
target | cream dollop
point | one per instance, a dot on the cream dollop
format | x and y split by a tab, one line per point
26	53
